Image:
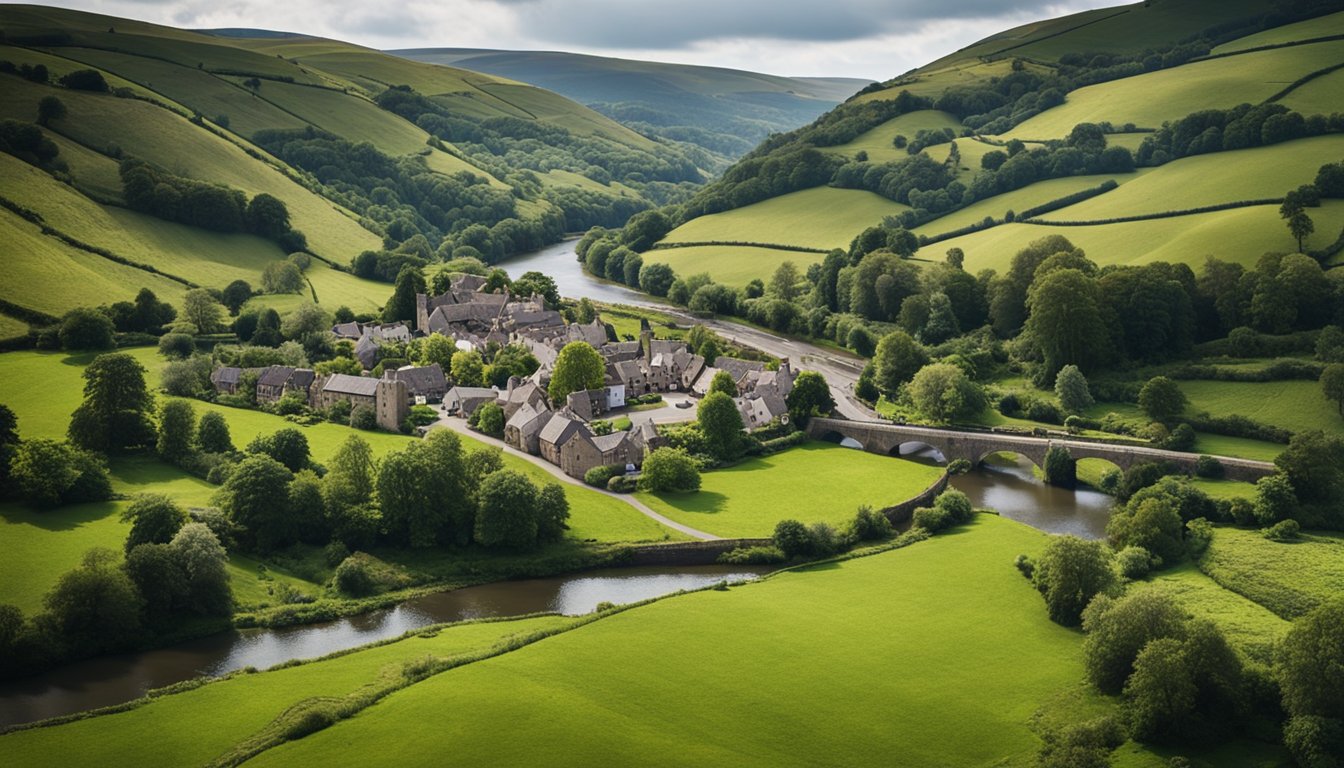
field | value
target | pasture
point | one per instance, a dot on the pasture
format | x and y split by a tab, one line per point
814	482
1296	405
821	217
733	265
1288	578
877	142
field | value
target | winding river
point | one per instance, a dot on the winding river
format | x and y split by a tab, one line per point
1005	485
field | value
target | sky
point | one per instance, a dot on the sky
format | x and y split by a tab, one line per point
871	39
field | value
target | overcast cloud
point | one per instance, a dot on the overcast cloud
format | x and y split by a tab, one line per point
852	38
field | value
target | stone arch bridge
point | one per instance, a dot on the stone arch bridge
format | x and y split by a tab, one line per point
974	446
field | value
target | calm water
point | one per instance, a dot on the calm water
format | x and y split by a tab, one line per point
560	263
115	679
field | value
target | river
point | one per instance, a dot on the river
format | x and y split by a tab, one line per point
559	262
112	680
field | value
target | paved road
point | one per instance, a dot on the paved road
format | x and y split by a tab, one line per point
460	426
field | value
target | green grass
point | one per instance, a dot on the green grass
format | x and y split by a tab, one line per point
1017	201
814	482
1149	99
717	678
822	217
1318	97
1225	489
12	327
1242	447
1320	26
877	142
1249	626
1286	578
92	173
1221	177
196	726
1295	405
734	265
1241	234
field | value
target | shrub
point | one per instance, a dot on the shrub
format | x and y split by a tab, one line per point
622	484
1315	741
669	469
1182	438
1069	574
931	519
1209	467
1024	565
752	556
354	576
1284	530
1199	534
598	477
792	538
363	417
490	419
1118	629
958	467
870	525
1060	468
1134	563
1045	411
335	553
177	346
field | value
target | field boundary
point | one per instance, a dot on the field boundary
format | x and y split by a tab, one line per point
1307	78
738	244
1158	215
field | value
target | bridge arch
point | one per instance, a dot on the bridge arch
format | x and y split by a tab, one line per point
988	457
917	450
839	438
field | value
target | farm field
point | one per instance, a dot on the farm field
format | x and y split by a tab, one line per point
734	265
11	327
1287	578
1222	177
814	482
1317	97
1240	234
1321	26
599	678
1018	200
1296	405
1249	626
877	142
1149	99
197	726
821	217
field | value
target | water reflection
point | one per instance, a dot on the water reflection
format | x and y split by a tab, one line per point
115	679
1008	485
560	262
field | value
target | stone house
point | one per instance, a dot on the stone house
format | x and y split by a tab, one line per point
389	399
425	383
523	429
589	404
584	451
225	380
556	433
274	381
464	401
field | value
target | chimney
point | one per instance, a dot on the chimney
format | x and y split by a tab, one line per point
646	341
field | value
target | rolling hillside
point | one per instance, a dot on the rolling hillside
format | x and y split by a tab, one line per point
1129	71
724	112
366	151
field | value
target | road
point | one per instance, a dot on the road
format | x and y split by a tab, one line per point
460	426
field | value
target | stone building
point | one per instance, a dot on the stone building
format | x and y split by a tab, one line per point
274	381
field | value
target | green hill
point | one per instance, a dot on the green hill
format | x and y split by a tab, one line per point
724	112
1125	72
367	152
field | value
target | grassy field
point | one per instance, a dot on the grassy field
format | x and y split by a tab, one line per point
667	679
1287	578
1225	489
1222	177
1318	97
1018	200
734	265
821	217
1320	26
1240	234
1294	405
1149	99
1249	626
814	482
877	142
11	327
198	726
39	546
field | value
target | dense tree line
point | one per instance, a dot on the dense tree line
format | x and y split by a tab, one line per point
1241	127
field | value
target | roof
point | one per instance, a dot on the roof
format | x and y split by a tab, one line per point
629	369
581	403
421	379
302	378
594	333
607	443
350	330
346	384
226	375
559	429
738	368
274	376
468	393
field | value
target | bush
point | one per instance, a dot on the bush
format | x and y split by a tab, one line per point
1118	629
931	519
178	346
490	419
825	542
752	556
335	553
1045	411
792	538
363	417
354	576
669	469
623	484
1069	574
1199	534
1182	438
1024	565
1134	563
1315	742
870	525
1284	530
958	467
1209	467
598	477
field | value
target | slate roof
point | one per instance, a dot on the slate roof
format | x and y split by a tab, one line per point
560	428
226	376
302	378
607	443
738	368
350	330
421	380
274	376
346	384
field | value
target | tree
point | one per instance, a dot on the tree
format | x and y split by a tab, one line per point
94	608
282	277
115	414
1072	390
784	283
656	278
1332	384
942	392
307	510
9	443
212	435
669	470
711	350
1153	523
1060	468
586	311
552	512
508	511
810	396
402	305
424	493
1069	574
288	446
201	310
956	257
1162	399
1294	214
1314	464
468	369
723	382
203	563
177	431
48	473
721	424
1311	673
438	349
512	360
267	216
792	538
351	475
533	282
306	323
578	367
363	417
176	346
1065	320
235	295
48	109
897	359
83	329
256	497
1118	629
490	419
1186	690
154	519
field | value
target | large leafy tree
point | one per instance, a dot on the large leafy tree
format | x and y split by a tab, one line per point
410	281
256	497
508	511
1070	573
202	310
154	518
810	396
177	431
1066	320
212	434
1311	672
721	424
82	328
898	358
578	367
1162	399
94	608
115	414
944	393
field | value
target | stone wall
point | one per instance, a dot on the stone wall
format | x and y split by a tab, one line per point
689	552
901	513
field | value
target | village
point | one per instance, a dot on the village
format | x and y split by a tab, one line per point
651	381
